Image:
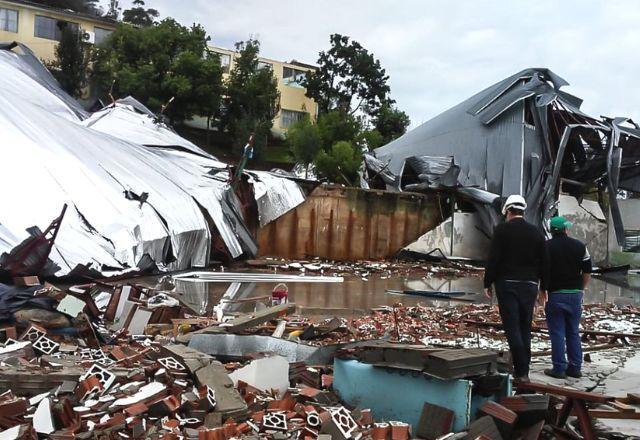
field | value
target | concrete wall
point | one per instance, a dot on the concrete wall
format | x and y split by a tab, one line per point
461	237
630	210
456	237
42	47
589	225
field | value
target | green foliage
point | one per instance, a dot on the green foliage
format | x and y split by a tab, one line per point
251	99
140	16
340	164
347	71
157	63
391	123
334	145
369	139
338	126
304	140
70	64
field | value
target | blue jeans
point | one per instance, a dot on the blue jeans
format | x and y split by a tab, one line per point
563	311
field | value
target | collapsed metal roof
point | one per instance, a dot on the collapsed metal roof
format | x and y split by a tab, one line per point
135	189
522	135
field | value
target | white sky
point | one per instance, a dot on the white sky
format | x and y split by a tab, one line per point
438	53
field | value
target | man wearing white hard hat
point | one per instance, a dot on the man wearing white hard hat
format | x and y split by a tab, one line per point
518	268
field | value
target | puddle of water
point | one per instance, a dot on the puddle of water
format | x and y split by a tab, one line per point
355	293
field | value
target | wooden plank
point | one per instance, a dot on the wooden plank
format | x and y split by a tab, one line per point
566	392
255	319
613	414
622	406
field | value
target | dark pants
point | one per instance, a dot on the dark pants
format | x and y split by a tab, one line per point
563	311
516	300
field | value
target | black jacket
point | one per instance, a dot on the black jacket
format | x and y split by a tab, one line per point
569	259
517	252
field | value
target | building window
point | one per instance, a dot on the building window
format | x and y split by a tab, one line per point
101	35
264	65
225	61
51	28
293	77
290	117
631	241
8	20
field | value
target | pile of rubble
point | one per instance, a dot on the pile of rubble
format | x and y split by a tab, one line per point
105	361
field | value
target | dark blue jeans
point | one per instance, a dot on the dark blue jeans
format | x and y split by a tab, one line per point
564	311
516	300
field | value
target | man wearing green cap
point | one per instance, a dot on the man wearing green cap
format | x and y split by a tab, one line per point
569	275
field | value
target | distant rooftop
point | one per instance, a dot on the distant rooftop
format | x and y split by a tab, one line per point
68	12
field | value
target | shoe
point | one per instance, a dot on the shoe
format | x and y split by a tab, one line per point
574	373
521	379
553	373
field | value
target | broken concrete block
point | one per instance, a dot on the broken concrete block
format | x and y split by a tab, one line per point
381	431
33	333
26	281
276	421
484	426
504	418
45	345
530	408
106	377
340	424
269	373
228	399
435	421
87	387
171	364
72	306
139	320
145	392
19	432
400	430
42	418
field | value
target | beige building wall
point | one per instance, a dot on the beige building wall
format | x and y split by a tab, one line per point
45	48
293	102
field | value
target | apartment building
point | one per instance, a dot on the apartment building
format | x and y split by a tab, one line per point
294	105
39	26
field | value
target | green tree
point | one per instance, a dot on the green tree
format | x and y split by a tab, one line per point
71	62
340	164
251	99
336	126
369	139
139	15
391	123
304	141
349	78
158	63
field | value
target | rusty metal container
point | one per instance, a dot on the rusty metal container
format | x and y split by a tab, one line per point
340	223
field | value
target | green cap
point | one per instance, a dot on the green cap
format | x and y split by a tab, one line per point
560	223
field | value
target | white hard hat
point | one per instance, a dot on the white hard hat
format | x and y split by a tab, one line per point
514	201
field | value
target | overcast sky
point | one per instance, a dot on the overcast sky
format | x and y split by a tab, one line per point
438	55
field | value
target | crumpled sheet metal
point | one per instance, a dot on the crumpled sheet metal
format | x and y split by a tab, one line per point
275	196
502	151
231	345
37	82
125	122
50	158
490	153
